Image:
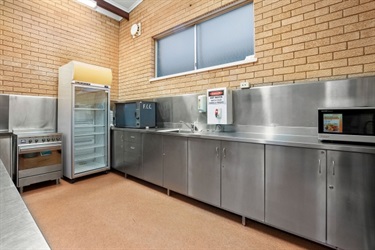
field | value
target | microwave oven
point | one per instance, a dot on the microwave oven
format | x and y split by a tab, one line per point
139	114
355	124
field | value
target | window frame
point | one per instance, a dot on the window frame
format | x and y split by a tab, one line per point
194	23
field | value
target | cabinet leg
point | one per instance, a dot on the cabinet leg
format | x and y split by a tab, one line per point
243	221
126	176
57	181
168	192
21	190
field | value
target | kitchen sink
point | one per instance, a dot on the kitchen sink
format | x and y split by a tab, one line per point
176	130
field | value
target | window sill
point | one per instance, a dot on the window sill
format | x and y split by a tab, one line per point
251	59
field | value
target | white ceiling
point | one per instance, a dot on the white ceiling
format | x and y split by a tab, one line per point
125	5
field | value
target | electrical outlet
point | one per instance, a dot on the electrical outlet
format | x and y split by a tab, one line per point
244	85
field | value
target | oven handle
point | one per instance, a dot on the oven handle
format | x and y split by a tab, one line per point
38	148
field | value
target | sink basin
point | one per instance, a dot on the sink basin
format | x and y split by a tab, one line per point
176	130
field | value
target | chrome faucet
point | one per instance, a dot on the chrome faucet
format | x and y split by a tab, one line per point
191	126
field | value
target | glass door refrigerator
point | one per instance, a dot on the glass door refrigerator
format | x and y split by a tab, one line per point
83	118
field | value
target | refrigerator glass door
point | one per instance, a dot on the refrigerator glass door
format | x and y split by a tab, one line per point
90	133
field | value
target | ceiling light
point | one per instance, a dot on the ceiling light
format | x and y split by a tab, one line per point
89	3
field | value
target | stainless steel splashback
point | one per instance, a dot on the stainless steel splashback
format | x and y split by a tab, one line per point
32	113
4	113
293	105
296	104
179	108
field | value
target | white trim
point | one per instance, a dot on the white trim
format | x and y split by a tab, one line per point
249	59
135	4
117	5
156	57
88	3
108	13
195	48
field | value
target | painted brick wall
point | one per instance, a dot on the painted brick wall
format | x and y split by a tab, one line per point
38	36
296	41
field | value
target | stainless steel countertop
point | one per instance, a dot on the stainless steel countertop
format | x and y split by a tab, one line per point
18	229
5	132
266	138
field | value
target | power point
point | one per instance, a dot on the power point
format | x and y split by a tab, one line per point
244	85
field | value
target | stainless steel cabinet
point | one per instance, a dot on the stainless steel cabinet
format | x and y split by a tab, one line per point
153	159
175	163
117	150
351	200
242	184
133	153
204	170
296	190
126	152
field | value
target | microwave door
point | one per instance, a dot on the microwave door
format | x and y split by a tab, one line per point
369	125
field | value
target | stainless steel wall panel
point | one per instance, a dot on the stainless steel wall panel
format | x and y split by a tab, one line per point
4	113
292	105
30	113
172	110
6	152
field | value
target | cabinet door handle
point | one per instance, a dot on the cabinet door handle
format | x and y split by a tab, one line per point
333	167
320	166
132	136
217	151
224	152
132	148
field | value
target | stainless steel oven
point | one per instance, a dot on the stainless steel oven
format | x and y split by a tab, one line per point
38	158
355	124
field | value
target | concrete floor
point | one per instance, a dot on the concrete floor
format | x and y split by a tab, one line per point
107	211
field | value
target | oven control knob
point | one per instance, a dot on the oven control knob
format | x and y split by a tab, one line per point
30	141
36	140
57	139
43	140
53	139
48	139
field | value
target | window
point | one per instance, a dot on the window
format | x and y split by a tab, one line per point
223	39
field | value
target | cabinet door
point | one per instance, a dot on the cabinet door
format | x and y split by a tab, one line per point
351	200
132	159
204	170
175	163
153	158
296	190
117	149
133	153
242	184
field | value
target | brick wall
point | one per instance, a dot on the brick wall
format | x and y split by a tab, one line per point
296	41
38	36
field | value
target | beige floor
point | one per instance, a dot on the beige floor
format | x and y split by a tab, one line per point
108	211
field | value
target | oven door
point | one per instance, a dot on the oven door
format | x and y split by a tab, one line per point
38	159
